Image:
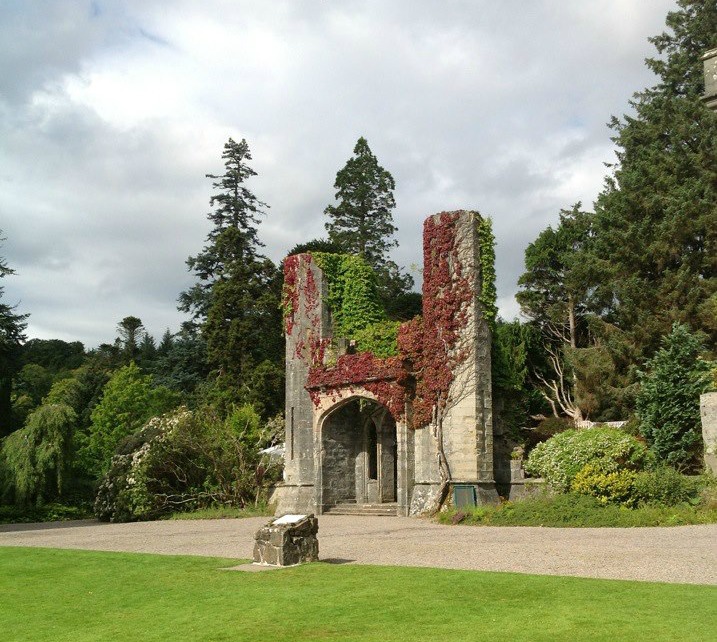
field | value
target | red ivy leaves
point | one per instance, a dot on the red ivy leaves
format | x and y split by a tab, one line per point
428	346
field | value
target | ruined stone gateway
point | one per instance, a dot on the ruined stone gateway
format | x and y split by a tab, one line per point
398	432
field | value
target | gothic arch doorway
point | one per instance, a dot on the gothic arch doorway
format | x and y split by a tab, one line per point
358	455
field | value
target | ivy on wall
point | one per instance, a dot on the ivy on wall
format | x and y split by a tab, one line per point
416	359
487	297
355	306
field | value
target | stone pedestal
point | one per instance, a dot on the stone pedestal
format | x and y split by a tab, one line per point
287	541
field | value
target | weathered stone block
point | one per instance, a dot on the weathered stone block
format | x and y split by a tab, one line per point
287	541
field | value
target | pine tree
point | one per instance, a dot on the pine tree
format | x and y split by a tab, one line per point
669	401
656	221
132	334
362	221
12	328
236	301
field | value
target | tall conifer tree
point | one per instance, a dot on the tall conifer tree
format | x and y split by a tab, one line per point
656	221
12	327
236	301
362	221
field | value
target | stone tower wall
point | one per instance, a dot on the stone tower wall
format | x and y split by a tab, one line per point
307	331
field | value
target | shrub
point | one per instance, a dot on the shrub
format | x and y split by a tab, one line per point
664	486
185	461
562	457
616	487
547	428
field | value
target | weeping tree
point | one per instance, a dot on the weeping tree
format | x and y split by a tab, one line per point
36	460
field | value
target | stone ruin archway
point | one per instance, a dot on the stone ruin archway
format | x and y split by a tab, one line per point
436	384
358	455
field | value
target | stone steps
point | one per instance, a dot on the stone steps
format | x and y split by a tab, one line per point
363	509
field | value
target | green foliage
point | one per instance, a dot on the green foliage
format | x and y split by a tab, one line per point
12	334
34	381
668	401
36	459
487	297
664	485
181	363
616	487
132	332
128	401
562	457
654	222
572	510
264	389
403	306
353	295
361	223
236	300
186	461
554	286
380	339
514	397
604	369
53	354
355	305
554	294
52	512
261	509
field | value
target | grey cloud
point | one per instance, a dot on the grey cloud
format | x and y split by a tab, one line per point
495	106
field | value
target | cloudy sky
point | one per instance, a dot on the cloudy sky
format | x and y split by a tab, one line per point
112	112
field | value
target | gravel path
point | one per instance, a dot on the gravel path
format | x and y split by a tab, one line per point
681	554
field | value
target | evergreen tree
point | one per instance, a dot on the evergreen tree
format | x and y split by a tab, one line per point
647	256
656	221
362	221
236	302
132	335
12	327
554	296
668	404
165	345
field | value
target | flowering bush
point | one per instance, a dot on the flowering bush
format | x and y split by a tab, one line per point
563	456
187	460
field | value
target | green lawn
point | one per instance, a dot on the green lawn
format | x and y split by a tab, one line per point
50	594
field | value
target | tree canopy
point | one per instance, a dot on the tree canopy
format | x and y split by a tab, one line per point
235	303
361	222
12	334
605	286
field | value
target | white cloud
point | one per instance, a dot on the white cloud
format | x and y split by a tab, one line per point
112	113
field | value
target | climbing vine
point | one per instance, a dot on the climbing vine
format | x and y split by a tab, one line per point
418	359
353	296
487	297
380	339
289	292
